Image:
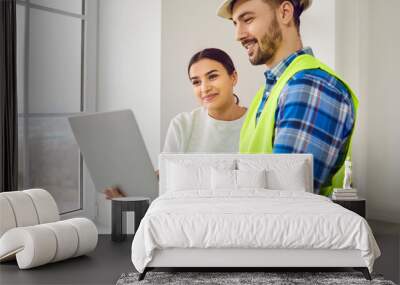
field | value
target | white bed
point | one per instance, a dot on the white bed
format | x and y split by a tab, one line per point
215	211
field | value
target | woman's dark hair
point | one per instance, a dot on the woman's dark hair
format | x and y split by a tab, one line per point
213	54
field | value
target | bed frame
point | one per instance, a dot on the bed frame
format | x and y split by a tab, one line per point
246	259
240	259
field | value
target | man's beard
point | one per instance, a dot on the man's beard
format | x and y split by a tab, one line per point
270	43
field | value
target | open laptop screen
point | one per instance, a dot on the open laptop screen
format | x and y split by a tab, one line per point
114	152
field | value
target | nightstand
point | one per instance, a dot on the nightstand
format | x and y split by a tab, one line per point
356	205
119	207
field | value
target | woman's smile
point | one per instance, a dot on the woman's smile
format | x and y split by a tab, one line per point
208	98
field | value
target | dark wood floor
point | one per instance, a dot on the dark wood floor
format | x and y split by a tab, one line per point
111	259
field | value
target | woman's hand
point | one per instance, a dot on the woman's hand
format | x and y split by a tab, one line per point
113	192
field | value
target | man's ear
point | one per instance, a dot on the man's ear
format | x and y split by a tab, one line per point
285	12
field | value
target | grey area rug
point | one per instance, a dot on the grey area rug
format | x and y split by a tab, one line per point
229	278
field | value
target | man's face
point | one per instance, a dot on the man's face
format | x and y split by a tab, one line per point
257	28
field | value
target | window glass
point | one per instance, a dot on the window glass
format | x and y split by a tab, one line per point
54	160
54	63
72	6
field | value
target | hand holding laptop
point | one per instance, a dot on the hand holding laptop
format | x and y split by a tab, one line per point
115	192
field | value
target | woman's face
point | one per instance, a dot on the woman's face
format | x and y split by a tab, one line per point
212	84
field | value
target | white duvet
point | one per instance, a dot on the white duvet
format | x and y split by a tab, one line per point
251	218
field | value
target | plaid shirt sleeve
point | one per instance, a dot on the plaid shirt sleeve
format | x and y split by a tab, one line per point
315	115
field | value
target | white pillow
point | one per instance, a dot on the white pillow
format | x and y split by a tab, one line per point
186	174
294	178
223	179
282	173
187	177
236	179
251	178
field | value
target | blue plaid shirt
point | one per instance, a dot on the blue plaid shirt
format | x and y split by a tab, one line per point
314	115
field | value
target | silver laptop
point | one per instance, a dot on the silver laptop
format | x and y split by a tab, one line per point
114	151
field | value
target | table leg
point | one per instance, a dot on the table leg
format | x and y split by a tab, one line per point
140	211
118	222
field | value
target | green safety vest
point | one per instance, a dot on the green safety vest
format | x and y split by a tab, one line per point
259	138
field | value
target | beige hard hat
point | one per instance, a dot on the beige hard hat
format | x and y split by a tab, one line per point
225	9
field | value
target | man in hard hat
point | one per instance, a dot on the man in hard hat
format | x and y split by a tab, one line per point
304	106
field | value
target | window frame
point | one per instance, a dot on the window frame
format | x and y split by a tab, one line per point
88	97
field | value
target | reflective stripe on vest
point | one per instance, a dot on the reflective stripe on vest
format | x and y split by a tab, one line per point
259	138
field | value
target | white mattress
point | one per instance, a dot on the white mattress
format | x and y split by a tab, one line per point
251	218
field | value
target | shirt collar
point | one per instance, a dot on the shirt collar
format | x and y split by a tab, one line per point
271	75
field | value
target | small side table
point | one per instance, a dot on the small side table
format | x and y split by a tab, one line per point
356	205
119	207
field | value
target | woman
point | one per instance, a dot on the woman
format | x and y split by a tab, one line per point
215	126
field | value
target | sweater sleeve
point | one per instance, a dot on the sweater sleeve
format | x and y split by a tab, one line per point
176	139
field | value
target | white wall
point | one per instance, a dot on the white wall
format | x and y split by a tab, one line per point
350	65
318	27
188	27
383	134
129	63
129	70
367	44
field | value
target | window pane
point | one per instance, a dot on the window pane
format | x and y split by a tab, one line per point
54	63
21	154
20	57
54	160
73	6
20	93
